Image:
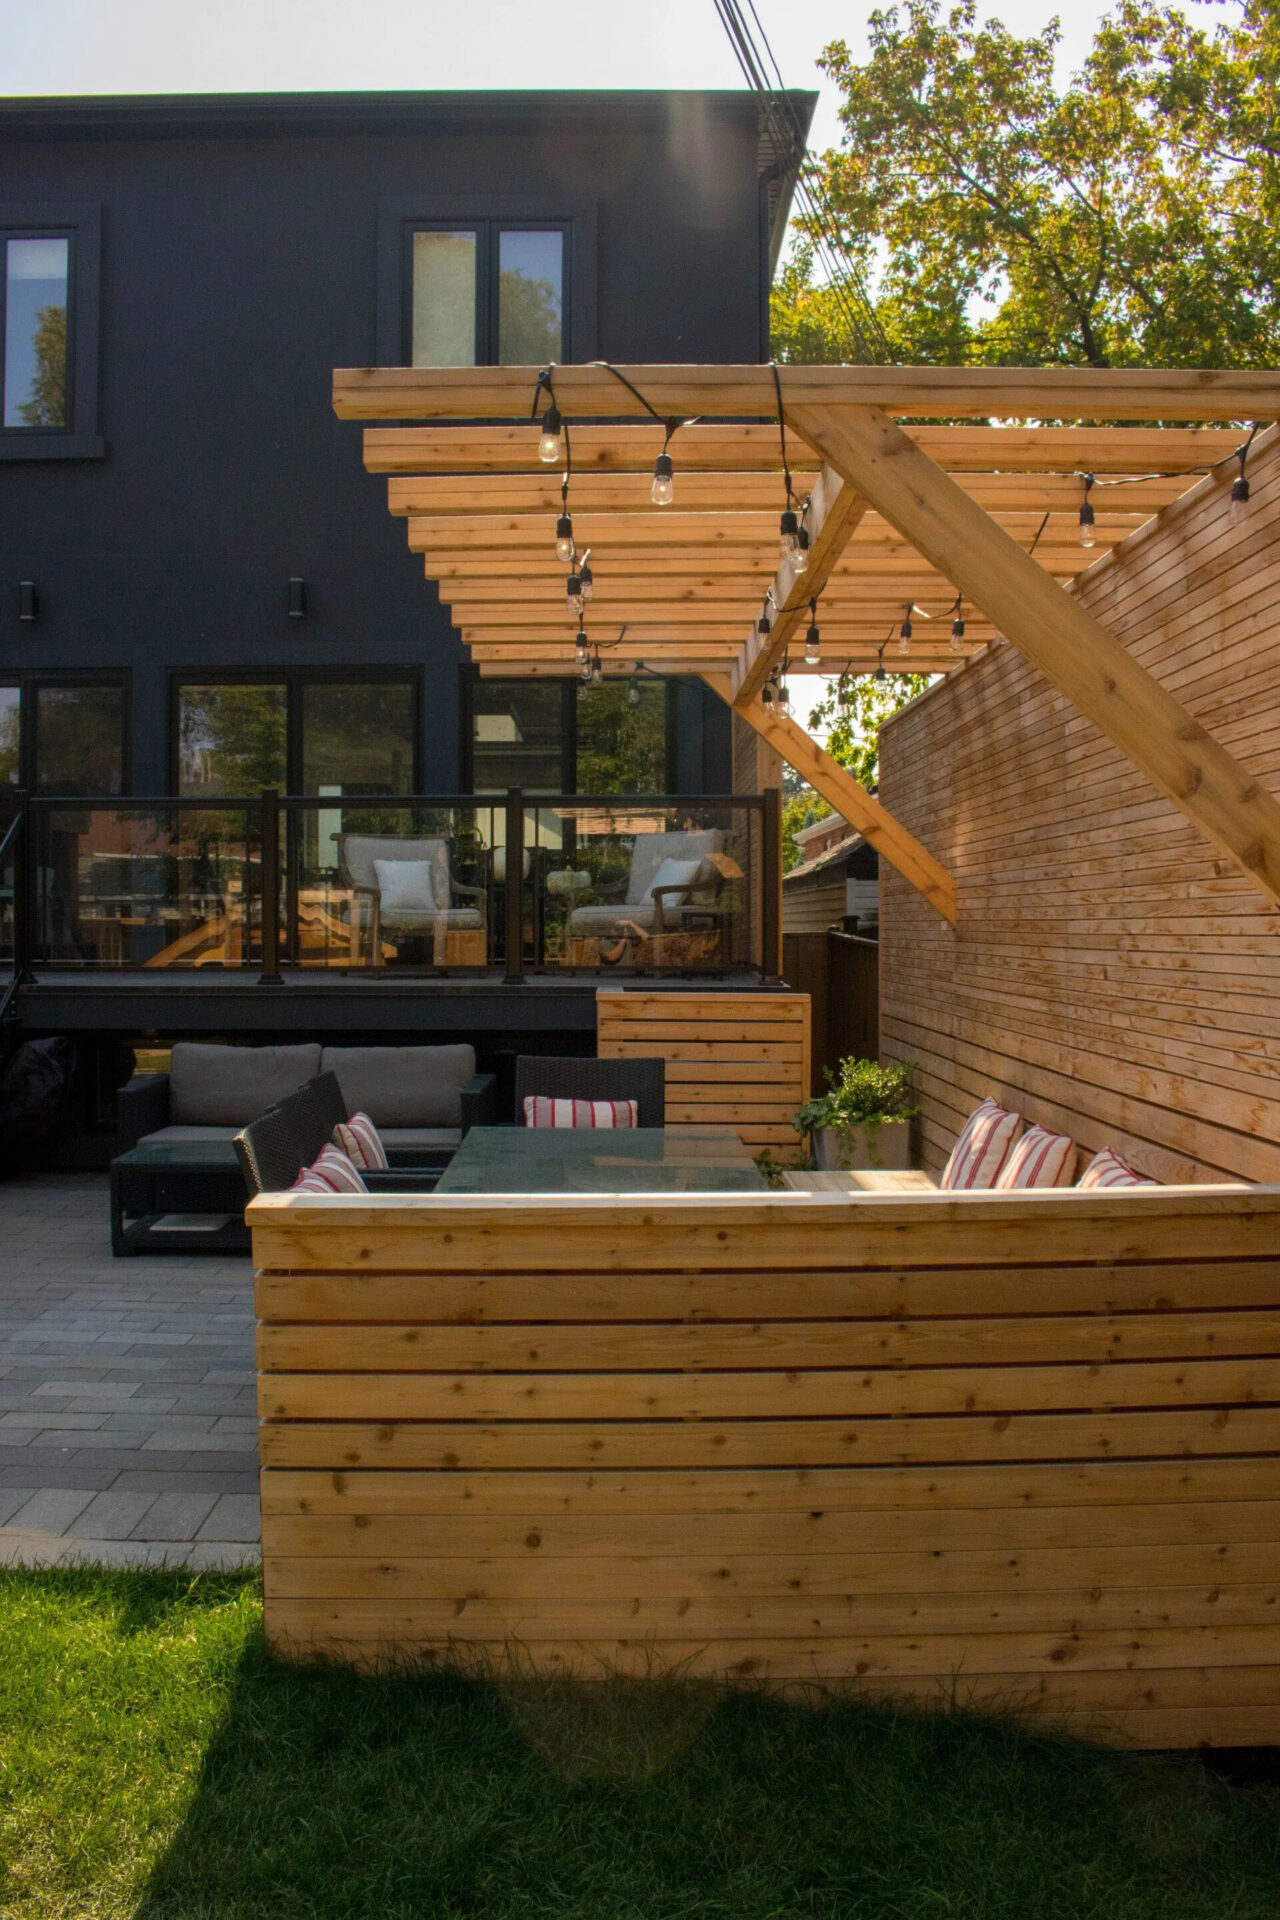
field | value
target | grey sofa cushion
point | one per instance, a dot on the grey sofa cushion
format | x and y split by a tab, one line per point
416	1139
183	1136
403	1086
213	1086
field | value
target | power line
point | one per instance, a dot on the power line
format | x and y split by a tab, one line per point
760	69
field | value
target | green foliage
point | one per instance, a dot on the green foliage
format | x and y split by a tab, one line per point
800	809
622	746
1131	216
863	1094
157	1764
854	712
47	406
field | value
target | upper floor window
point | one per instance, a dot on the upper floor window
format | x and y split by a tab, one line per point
48	332
483	292
37	277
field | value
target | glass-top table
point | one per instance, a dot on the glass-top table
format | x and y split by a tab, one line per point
601	1160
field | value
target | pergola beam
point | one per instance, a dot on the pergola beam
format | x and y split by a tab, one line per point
945	393
1074	651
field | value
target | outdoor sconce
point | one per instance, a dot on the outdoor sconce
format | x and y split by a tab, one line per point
297	597
28	600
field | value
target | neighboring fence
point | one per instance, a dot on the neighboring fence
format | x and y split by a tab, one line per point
1011	1449
736	1060
841	975
1111	974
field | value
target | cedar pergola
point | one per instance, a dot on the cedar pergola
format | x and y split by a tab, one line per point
974	518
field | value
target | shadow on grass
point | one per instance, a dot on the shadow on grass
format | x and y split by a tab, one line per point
329	1795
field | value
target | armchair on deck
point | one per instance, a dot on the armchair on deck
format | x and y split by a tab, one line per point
673	877
406	889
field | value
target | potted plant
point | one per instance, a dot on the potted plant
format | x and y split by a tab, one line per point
864	1120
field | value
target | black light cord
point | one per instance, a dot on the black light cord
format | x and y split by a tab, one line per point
782	431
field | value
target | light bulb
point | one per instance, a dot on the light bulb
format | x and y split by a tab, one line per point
1239	499
800	558
564	538
663	489
811	639
788	535
904	640
582	650
586	670
551	445
766	694
588	581
573	592
597	670
1088	532
957	634
763	626
880	673
633	692
784	697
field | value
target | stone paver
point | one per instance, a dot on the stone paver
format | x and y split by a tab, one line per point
127	1391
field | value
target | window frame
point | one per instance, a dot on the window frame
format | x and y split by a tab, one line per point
29	681
401	217
293	680
471	682
80	224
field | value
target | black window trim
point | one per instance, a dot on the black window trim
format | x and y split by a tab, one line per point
81	223
576	216
472	681
293	679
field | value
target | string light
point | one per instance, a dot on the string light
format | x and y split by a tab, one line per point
633	690
812	637
793	540
1088	533
1240	485
788	533
663	490
573	591
880	673
597	668
586	576
551	445
905	631
800	559
957	626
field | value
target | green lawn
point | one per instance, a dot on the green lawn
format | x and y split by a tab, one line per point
155	1763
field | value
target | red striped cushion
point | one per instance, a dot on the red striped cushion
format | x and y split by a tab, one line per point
541	1110
1040	1159
1107	1169
985	1143
330	1172
358	1139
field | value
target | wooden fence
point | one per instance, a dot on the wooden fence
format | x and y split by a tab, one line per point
736	1060
1022	1448
841	975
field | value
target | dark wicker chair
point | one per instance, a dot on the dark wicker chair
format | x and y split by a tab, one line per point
643	1081
274	1148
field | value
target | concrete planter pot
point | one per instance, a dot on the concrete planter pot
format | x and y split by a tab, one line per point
850	1150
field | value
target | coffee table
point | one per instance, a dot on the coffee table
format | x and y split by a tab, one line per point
170	1177
601	1160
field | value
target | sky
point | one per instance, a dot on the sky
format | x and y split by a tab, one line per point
268	46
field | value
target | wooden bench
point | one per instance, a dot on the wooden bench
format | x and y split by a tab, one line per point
1022	1447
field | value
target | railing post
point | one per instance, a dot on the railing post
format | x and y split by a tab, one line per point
270	975
24	897
771	892
513	899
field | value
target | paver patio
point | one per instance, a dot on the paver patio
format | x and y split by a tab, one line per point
127	1416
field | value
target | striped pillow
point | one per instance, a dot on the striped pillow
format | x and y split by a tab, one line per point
358	1139
541	1110
1107	1169
330	1172
1040	1159
985	1143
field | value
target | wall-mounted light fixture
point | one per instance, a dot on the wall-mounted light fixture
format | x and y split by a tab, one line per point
297	597
28	600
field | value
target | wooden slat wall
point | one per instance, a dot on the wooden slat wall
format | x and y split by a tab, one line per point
738	1060
1110	975
1020	1446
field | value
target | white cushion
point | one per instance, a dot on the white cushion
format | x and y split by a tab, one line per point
985	1143
1107	1169
545	1110
673	873
406	886
1040	1159
358	1139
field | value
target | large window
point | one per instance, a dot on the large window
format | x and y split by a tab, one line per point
559	736
48	331
482	292
296	733
62	736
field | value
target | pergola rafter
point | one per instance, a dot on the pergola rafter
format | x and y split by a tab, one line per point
973	518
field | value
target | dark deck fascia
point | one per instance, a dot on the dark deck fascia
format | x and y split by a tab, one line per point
313	1001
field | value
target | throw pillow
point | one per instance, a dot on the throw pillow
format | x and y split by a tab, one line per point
985	1143
358	1139
330	1172
1040	1159
540	1110
673	873
406	886
1107	1169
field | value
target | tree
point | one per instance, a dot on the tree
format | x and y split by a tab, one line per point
852	711
47	406
1130	217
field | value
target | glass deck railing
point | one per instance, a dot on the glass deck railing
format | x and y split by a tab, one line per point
399	884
